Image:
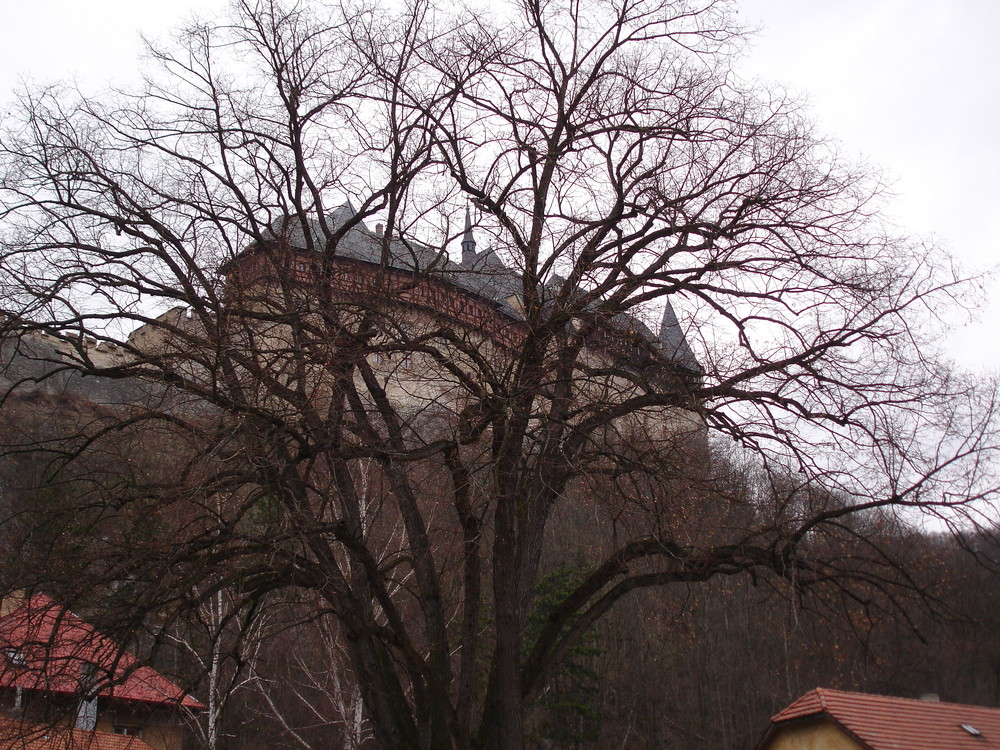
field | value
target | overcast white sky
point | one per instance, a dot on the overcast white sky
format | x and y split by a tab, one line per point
910	85
914	87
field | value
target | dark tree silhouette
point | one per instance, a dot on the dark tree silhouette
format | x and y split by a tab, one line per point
247	263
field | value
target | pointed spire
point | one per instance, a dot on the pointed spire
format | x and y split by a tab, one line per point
468	241
341	214
674	341
670	328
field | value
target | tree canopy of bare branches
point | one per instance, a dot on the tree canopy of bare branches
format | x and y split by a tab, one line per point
255	247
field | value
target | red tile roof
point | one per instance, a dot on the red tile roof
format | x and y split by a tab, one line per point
44	646
884	723
17	735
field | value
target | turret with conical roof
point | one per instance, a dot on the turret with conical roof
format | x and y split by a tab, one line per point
674	341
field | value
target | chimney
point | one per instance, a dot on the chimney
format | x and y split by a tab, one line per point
378	229
11	601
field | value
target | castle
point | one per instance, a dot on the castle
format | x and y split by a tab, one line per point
478	294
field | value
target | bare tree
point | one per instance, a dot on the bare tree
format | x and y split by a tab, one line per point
310	691
354	414
223	645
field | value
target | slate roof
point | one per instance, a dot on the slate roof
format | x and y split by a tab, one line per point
482	273
43	363
18	735
45	647
880	722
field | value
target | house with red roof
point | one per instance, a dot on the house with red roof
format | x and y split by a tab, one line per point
58	670
825	719
20	735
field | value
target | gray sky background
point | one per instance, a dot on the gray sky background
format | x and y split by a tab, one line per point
912	86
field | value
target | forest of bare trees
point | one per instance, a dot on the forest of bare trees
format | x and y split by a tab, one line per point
263	426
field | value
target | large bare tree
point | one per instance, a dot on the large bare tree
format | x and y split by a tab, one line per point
302	390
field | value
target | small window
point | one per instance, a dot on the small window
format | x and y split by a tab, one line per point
15	657
127	731
971	730
406	363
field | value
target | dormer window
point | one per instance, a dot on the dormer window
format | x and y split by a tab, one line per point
15	657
